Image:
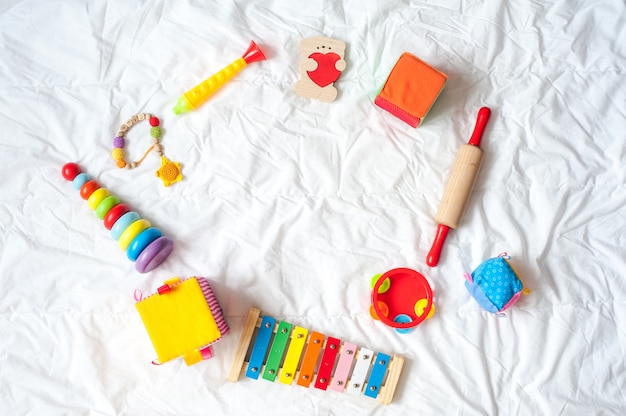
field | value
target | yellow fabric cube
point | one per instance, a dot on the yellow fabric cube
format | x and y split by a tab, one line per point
179	321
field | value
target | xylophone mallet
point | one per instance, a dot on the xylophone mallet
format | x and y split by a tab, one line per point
459	186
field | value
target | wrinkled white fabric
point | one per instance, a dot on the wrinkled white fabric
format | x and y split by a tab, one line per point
291	205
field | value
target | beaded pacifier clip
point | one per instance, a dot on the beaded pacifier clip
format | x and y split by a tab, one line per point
169	172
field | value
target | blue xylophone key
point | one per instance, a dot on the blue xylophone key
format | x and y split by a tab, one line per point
377	375
259	349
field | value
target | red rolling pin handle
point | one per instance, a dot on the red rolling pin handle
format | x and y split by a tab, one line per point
481	121
433	255
432	259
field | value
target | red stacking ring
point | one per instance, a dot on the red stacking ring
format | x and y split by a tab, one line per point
114	214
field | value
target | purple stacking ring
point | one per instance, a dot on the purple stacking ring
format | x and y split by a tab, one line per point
154	254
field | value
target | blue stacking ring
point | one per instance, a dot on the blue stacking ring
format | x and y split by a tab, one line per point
122	223
80	180
141	241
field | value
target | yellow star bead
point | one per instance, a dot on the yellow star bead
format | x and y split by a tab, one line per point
169	172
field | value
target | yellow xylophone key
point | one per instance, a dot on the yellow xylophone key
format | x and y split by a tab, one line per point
292	358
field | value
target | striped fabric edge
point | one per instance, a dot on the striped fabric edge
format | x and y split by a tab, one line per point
214	306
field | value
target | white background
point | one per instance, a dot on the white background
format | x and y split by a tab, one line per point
291	205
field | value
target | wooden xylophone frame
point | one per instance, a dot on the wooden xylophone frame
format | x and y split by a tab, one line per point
292	353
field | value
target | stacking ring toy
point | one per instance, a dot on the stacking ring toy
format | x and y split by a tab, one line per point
144	244
401	299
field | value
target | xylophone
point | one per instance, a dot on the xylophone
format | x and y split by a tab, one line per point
288	352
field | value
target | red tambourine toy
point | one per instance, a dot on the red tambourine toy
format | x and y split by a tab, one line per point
402	299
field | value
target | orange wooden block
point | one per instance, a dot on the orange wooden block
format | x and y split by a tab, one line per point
411	89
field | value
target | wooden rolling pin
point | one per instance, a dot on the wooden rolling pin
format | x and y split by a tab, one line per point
459	186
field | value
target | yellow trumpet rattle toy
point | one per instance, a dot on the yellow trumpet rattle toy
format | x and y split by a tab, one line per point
193	98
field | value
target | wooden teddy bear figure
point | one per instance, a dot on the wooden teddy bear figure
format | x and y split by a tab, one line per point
320	65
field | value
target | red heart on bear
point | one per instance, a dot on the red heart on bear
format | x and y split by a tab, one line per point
325	73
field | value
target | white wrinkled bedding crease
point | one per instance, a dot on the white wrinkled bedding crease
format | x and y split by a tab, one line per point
292	205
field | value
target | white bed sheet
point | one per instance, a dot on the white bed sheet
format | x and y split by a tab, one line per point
291	205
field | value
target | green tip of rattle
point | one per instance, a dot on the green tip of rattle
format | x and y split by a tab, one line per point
182	106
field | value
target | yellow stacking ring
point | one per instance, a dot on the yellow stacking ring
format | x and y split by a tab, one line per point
96	197
132	231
